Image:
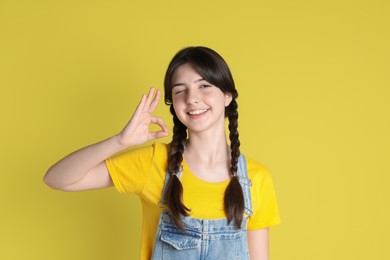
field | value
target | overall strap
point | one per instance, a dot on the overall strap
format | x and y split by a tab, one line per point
245	184
243	178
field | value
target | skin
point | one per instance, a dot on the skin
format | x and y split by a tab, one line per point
206	130
85	169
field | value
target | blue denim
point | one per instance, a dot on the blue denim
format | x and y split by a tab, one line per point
203	238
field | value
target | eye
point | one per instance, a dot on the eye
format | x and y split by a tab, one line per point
178	91
205	85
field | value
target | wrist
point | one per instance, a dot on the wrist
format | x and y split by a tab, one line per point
120	142
117	142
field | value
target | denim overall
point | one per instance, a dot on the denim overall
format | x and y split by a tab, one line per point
212	239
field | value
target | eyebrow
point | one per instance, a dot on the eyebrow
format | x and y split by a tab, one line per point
184	84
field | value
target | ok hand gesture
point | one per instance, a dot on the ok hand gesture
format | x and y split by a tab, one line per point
137	131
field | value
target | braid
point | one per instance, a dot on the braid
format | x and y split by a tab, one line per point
214	69
174	191
233	136
234	198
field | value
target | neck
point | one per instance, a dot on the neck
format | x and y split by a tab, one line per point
207	148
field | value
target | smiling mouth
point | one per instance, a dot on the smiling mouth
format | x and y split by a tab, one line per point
197	112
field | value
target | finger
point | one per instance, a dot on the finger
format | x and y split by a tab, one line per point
158	121
149	99
140	105
158	134
161	133
154	104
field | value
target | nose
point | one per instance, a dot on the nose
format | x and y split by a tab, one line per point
192	97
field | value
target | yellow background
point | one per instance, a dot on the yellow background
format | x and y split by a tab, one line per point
313	78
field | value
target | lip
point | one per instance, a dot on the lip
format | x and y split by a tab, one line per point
195	112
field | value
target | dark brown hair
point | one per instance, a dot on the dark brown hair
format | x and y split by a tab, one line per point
213	68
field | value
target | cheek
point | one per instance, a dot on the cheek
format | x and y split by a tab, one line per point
176	103
178	98
177	107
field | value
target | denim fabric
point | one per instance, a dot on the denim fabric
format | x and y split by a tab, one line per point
202	238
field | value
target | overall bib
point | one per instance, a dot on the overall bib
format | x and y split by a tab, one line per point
212	239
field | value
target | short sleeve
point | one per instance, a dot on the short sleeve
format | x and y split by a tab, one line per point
129	170
264	202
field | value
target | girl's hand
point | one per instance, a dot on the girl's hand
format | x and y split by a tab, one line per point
137	131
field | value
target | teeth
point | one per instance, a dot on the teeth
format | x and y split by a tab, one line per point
197	112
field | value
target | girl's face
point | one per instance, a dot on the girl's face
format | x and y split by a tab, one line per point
198	104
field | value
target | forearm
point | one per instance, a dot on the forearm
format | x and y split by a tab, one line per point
85	168
76	165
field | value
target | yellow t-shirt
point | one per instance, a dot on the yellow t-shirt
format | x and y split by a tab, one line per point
142	171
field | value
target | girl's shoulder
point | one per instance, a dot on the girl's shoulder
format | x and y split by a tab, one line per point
256	170
160	147
142	154
158	151
155	148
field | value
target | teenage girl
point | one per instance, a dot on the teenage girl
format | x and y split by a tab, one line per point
201	198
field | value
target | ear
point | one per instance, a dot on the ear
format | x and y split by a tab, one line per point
228	98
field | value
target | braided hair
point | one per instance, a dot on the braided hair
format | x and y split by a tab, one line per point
212	67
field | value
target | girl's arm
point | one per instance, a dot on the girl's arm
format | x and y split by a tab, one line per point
258	244
85	169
